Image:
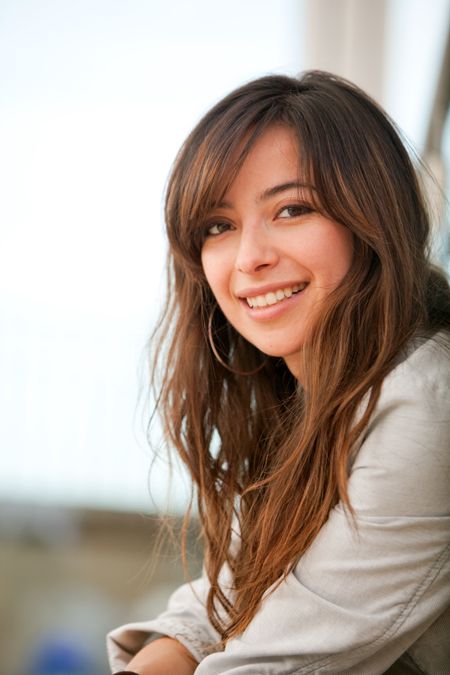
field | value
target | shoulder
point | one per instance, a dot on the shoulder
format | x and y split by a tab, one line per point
419	386
424	372
403	464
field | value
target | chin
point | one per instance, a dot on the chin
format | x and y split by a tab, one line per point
280	353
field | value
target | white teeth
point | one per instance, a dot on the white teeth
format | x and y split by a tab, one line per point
273	297
261	301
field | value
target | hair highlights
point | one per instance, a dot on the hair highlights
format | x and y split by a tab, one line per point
280	455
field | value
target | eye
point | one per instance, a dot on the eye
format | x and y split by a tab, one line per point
294	211
212	230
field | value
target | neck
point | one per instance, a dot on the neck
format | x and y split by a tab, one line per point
293	362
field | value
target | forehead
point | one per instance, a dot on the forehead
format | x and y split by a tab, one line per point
275	142
275	150
273	158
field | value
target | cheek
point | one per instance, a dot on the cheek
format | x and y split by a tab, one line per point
334	254
214	273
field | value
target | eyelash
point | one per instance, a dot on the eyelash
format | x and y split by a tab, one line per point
301	210
209	227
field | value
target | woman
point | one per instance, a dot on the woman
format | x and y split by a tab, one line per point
306	388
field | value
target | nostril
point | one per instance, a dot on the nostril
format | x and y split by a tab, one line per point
263	265
251	268
254	261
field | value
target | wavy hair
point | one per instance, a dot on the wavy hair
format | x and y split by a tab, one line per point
269	457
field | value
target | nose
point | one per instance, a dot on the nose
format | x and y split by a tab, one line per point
256	250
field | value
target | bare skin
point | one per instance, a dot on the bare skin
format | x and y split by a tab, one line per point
163	657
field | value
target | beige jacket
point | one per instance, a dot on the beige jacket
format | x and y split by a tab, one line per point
359	602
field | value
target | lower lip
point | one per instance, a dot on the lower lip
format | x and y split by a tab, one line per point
274	311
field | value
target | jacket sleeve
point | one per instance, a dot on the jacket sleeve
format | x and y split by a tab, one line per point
366	591
185	620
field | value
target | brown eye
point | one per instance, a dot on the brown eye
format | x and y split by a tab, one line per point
217	228
294	211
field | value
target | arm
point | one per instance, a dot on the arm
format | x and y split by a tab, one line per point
185	621
360	597
163	656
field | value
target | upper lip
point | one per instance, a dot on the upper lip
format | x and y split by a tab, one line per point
268	288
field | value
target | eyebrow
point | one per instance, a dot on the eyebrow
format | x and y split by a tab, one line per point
282	187
272	192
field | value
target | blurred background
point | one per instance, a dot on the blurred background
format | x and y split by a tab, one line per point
96	97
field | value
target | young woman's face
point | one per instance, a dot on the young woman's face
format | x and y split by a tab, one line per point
269	258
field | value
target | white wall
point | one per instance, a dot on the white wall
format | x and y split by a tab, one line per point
95	98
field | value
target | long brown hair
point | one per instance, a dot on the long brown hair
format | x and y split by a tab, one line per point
269	458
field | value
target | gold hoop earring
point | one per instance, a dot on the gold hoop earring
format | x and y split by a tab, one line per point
219	358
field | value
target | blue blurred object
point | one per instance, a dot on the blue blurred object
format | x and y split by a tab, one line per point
60	655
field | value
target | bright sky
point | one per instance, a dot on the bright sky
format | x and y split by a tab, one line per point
95	99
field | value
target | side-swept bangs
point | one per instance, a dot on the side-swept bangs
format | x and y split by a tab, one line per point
349	150
212	155
264	440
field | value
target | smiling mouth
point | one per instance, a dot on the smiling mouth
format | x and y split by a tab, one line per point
274	297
